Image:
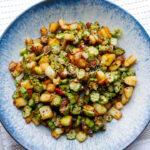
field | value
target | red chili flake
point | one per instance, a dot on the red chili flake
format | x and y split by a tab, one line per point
59	91
30	92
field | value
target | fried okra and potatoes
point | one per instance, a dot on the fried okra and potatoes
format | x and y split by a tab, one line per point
73	79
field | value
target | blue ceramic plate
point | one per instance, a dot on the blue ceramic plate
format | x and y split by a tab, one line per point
135	40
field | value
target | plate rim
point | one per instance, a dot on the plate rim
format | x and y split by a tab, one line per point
146	35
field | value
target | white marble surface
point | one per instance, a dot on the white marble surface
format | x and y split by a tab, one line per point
9	9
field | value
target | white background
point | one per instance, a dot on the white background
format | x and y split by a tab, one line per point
10	9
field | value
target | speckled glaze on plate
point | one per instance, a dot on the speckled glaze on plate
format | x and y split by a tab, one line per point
136	114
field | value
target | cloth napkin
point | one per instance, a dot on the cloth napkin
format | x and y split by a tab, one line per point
10	9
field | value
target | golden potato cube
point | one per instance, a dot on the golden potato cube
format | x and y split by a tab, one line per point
57	132
81	136
56	81
128	92
115	113
31	64
26	84
96	37
100	77
66	121
35	121
28	41
19	68
88	108
38	70
63	25
46	112
69	37
105	32
50	72
12	66
75	50
130	80
115	65
64	73
44	59
15	74
92	39
107	59
53	27
46	97
74	26
119	105
37	48
51	87
124	100
44	66
130	61
43	31
20	102
53	41
100	109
